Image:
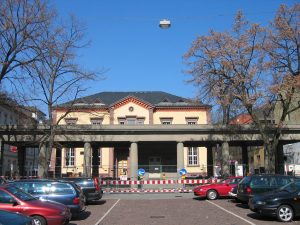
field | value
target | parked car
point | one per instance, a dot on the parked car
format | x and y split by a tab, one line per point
91	187
15	200
7	217
256	184
233	192
213	191
284	203
67	193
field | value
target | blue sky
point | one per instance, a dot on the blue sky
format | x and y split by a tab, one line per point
139	56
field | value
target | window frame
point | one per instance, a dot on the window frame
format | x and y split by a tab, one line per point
69	158
191	120
166	120
99	121
71	121
192	156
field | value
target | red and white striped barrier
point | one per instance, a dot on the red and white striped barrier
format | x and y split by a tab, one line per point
128	182
148	191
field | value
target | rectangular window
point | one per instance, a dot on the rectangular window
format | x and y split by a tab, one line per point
166	121
192	156
121	120
140	120
131	120
191	121
96	121
70	156
71	121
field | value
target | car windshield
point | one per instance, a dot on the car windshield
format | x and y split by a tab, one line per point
223	181
20	194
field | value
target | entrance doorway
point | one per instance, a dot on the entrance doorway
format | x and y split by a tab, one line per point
154	166
121	163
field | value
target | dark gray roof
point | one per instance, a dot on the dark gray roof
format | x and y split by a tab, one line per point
155	98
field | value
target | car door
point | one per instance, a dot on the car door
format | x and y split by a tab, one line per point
61	192
8	202
295	200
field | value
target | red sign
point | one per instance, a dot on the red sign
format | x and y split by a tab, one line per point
13	149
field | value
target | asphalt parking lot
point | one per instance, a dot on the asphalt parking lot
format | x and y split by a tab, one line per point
168	209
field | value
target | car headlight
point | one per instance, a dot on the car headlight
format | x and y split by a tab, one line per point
260	203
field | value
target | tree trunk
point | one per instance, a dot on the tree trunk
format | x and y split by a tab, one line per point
269	158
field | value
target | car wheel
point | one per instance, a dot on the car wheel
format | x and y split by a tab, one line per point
212	195
285	213
38	220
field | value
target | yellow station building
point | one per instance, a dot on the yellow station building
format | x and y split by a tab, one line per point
132	108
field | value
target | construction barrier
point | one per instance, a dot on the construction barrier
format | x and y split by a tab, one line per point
137	182
148	191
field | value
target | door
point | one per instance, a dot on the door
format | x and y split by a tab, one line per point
122	168
154	164
7	202
121	163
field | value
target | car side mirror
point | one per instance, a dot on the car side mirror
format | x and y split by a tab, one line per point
298	193
15	203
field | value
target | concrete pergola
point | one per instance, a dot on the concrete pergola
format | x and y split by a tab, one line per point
108	135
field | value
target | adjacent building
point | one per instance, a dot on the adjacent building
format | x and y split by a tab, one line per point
12	157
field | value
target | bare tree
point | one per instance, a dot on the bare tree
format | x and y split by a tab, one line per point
58	77
243	61
21	23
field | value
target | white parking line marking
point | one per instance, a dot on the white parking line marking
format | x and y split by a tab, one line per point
231	213
99	221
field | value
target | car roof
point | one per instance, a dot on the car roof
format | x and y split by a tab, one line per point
270	175
34	180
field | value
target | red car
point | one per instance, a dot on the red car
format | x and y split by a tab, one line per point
213	191
43	212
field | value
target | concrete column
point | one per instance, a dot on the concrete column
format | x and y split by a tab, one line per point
95	161
87	160
225	158
133	154
245	160
210	162
21	161
180	157
111	162
43	162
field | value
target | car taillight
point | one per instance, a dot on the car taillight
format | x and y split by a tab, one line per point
76	201
248	190
96	183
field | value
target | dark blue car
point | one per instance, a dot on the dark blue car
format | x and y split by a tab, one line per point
67	193
8	218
